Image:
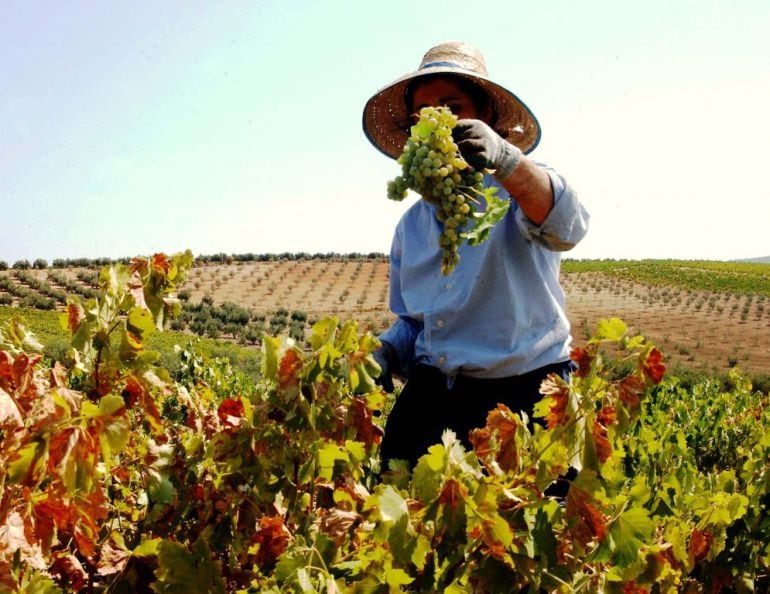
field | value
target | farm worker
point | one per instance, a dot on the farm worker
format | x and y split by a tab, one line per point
495	327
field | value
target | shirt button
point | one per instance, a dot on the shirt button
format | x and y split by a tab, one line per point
440	323
442	359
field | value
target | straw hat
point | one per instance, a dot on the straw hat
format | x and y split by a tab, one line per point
387	117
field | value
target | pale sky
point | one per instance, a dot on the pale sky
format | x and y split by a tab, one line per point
235	126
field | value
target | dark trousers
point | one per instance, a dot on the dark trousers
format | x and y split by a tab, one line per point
427	406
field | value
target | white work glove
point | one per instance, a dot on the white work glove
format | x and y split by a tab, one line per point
483	148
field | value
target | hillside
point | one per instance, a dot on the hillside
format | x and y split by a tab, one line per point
762	260
704	315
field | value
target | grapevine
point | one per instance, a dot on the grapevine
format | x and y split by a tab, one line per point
117	475
432	166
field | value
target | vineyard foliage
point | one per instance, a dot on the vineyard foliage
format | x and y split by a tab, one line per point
752	278
119	476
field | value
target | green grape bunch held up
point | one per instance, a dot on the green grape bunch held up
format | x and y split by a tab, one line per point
432	166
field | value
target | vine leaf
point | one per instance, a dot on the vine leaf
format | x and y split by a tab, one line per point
484	221
609	330
628	533
181	571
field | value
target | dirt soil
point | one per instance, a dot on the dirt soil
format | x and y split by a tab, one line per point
699	330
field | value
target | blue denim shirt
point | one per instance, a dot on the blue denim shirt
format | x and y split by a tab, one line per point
501	312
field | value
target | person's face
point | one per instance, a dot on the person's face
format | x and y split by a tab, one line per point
445	92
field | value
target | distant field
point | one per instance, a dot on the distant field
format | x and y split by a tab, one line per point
704	315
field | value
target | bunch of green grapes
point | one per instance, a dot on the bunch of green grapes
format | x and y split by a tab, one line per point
432	166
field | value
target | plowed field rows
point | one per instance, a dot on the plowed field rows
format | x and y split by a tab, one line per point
698	329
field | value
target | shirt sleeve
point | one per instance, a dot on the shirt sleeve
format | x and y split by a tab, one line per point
565	225
403	333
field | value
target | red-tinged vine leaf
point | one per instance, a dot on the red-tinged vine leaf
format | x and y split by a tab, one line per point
78	517
630	389
599	431
72	317
24	369
363	420
69	569
85	520
14	539
722	581
113	555
230	412
481	440
73	456
583	358
453	493
652	365
564	551
139	266
157	278
357	492
198	494
601	442
10	415
136	394
19	380
554	404
8	581
607	416
160	263
49	515
497	536
336	524
288	370
136	289
27	464
503	424
61	461
589	521
633	588
59	386
7	375
700	543
273	538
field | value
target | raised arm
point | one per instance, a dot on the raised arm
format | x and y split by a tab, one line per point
549	211
527	183
530	186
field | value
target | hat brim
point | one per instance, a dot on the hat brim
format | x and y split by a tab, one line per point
387	118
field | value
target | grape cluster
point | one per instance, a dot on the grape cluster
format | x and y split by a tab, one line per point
432	166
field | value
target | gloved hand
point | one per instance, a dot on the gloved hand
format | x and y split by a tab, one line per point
384	355
482	147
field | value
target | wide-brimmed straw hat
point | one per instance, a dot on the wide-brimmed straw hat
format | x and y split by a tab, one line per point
387	116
